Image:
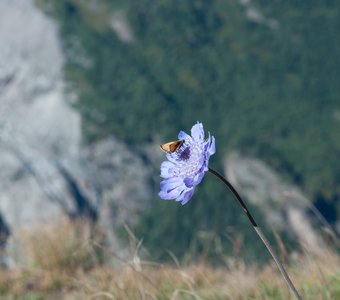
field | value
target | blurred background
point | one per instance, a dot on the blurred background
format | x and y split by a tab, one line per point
89	89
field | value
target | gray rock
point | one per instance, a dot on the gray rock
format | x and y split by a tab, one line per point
37	126
32	107
120	179
283	204
46	172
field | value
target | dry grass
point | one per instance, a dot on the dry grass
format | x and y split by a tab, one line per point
62	263
63	248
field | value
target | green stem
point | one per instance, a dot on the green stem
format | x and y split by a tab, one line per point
259	233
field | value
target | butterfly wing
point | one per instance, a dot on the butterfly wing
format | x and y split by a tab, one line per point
171	147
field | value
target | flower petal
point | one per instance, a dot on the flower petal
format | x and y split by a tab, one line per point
197	132
180	197
212	147
185	168
187	196
167	169
198	178
173	157
171	195
183	136
189	182
171	183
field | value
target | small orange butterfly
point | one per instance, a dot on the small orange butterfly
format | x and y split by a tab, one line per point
171	147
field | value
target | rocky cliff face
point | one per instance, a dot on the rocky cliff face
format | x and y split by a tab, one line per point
46	174
36	124
284	206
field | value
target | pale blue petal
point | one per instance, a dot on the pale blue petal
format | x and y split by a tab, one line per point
183	136
171	195
172	157
164	195
168	169
168	173
197	132
189	182
181	196
187	196
212	147
167	164
198	178
171	183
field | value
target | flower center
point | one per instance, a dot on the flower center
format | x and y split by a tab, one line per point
185	154
189	160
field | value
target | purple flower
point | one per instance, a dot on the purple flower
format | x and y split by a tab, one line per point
185	168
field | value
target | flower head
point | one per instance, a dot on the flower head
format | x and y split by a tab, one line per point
185	167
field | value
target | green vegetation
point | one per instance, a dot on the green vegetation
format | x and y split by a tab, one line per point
268	91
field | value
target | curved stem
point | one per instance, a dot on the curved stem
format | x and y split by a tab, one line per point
259	233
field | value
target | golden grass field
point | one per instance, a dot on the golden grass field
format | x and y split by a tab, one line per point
60	263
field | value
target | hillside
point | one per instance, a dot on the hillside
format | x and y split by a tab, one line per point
262	77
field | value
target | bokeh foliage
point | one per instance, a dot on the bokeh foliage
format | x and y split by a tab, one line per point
270	91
